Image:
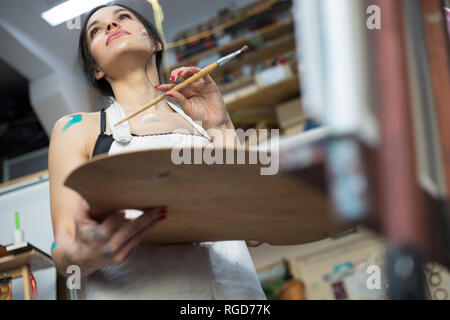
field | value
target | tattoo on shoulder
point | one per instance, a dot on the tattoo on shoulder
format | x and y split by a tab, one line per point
74	119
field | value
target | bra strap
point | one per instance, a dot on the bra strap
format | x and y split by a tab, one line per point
102	121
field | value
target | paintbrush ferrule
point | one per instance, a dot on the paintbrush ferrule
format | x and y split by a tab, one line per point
227	58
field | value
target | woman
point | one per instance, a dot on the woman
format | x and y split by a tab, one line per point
120	52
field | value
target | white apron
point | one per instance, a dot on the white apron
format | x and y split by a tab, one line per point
207	270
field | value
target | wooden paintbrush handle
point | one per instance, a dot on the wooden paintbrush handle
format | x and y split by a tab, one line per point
196	76
155	101
180	86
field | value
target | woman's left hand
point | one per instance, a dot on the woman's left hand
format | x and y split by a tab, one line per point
201	100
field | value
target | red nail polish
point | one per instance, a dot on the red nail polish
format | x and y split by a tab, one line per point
163	211
172	78
191	66
157	85
169	95
162	217
180	72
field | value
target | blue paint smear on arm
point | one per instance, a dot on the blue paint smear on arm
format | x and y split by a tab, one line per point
75	119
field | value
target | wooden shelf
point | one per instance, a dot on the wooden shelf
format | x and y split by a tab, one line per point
268	33
270	50
23	179
236	84
254	96
243	93
252	120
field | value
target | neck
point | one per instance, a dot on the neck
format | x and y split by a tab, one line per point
132	90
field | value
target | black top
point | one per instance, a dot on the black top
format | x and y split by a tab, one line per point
104	141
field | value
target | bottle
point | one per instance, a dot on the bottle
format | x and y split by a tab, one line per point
18	235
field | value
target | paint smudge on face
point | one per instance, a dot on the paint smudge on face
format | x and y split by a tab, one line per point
75	119
123	44
54	245
143	34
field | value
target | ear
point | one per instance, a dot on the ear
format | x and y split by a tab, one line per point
159	46
98	74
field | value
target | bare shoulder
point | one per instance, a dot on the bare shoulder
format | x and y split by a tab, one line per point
79	123
76	130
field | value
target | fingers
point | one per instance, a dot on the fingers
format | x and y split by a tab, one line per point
175	95
183	72
130	230
187	72
165	87
82	218
109	226
125	253
253	243
178	97
83	211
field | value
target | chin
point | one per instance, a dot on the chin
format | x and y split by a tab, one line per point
125	54
128	45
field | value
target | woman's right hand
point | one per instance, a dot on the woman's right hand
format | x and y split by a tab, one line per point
97	245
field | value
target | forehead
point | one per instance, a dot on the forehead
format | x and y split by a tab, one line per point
103	13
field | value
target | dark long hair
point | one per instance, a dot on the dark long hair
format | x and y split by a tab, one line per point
87	62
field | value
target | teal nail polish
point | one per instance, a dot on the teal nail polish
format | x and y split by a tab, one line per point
53	245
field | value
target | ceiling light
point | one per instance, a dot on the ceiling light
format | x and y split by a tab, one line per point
69	10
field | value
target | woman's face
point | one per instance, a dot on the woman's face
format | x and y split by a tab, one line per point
113	31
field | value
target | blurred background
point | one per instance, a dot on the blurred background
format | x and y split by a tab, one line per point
360	93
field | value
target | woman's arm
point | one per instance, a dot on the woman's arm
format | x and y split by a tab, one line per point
79	240
67	151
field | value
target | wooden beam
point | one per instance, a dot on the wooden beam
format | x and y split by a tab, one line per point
401	203
437	44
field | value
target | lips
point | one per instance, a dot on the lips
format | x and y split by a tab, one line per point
115	34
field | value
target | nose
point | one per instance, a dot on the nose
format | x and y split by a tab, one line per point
111	26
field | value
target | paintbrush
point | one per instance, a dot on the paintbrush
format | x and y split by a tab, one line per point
188	81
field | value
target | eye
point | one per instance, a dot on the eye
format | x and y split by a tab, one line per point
124	15
93	32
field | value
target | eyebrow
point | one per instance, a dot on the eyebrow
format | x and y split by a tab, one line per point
114	13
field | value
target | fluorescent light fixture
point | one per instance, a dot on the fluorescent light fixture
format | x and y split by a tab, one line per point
70	10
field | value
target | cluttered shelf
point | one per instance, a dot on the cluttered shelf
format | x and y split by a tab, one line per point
256	96
261	89
264	34
278	47
271	96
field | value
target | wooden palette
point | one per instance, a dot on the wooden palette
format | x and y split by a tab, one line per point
207	202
